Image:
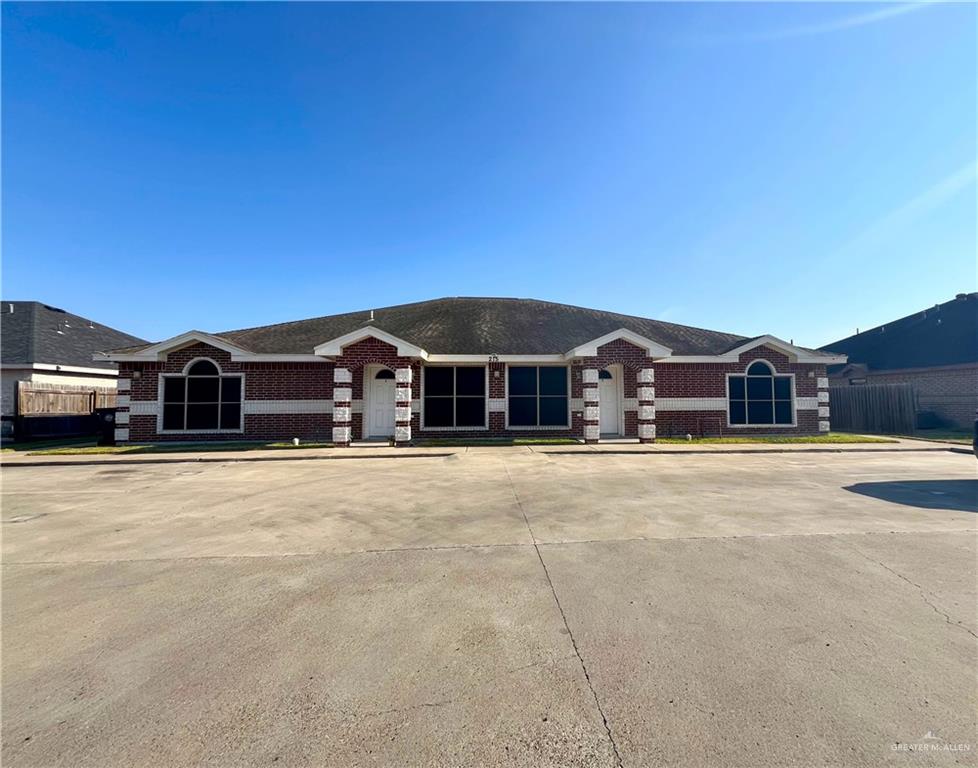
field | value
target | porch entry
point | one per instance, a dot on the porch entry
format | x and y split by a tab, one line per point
380	402
609	395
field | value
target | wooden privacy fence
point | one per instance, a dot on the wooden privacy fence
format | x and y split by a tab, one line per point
61	400
887	409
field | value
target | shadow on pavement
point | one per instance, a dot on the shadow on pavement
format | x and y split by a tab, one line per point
958	495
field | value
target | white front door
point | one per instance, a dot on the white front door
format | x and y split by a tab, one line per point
380	403
608	400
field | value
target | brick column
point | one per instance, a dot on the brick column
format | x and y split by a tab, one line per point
402	406
646	405
342	399
592	407
823	404
122	402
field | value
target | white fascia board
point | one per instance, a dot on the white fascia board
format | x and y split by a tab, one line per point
277	358
158	350
496	358
334	347
590	349
68	369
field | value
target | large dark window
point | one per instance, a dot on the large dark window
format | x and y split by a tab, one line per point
455	396
760	397
202	400
538	396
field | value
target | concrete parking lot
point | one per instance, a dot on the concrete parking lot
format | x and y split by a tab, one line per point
496	606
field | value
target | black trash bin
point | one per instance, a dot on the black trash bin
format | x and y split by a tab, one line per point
105	428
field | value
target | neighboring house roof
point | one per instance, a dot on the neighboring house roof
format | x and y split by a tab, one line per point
945	334
32	332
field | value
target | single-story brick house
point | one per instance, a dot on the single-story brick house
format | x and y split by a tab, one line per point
485	367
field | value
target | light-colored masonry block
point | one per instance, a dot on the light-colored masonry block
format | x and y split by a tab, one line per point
123	385
823	426
592	413
646	431
402	434
590	376
497	405
341	434
342	395
823	412
646	376
404	376
144	407
646	393
415	406
342	376
646	413
592	432
342	414
122	401
823	382
629	404
591	394
404	394
691	403
577	404
356	406
823	397
402	413
121	435
122	417
806	403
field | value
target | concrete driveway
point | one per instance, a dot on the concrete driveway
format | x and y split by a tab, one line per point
493	607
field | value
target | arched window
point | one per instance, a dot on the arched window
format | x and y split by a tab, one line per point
760	397
384	373
202	399
604	374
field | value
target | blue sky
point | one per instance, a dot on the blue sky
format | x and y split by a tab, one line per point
787	168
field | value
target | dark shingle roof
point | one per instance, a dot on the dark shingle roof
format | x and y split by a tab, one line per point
481	325
29	333
946	334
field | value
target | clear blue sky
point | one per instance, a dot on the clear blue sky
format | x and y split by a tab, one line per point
790	169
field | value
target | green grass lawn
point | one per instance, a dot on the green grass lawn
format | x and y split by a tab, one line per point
831	437
90	448
959	436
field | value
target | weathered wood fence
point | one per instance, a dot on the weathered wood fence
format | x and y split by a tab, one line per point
886	409
61	400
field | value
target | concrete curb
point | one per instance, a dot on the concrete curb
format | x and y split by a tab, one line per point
111	462
702	451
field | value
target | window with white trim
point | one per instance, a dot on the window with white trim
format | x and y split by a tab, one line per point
538	396
455	396
760	397
202	400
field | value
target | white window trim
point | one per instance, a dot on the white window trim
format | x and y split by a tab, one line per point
485	367
794	398
160	402
548	427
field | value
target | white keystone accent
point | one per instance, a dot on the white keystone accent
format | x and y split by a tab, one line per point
402	413
646	393
823	426
124	385
590	376
646	413
404	394
823	397
823	382
342	394
341	415
646	431
341	434
404	376
121	435
646	376
402	434
592	432
342	376
122	417
823	412
591	395
592	413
